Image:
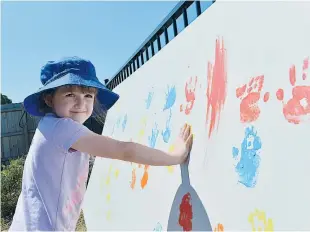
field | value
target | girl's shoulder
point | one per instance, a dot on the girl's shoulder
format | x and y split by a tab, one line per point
61	131
52	120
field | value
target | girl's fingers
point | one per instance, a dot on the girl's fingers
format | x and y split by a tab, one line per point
189	141
187	131
182	130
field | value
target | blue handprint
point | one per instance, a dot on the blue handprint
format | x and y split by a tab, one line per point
158	227
124	122
167	132
247	167
148	101
153	138
118	122
170	98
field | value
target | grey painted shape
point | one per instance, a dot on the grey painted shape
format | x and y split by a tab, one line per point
200	221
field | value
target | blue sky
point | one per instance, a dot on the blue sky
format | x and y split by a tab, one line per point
107	33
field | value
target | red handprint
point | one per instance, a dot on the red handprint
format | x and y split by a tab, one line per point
186	213
297	109
250	95
190	89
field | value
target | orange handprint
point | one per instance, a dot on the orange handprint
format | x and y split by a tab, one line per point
250	94
219	228
297	109
144	178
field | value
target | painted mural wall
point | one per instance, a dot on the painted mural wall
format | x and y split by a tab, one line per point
239	74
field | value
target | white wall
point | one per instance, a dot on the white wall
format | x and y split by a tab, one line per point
268	186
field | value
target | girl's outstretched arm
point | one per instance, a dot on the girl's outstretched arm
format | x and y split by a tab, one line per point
106	147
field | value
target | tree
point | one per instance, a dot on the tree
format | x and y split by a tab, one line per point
5	100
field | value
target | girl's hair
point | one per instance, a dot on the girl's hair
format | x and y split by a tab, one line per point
99	110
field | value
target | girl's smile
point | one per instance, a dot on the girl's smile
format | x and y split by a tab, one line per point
72	102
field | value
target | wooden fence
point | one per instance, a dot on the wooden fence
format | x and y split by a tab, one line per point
17	130
18	127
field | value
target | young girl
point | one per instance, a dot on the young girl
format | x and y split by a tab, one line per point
56	167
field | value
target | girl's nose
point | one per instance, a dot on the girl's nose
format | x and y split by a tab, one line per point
79	101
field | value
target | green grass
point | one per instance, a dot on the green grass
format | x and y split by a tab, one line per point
81	226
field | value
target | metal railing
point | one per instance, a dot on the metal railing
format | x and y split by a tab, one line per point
146	51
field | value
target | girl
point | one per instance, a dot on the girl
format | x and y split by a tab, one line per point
56	167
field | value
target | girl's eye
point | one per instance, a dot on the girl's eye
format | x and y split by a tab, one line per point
89	96
69	95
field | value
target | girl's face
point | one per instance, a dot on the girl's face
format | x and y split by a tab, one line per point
72	102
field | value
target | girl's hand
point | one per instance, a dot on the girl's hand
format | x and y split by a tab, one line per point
183	143
106	147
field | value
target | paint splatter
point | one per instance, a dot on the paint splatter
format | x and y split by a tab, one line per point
305	68
124	123
133	178
170	97
149	99
144	179
186	213
116	173
118	122
216	86
247	167
153	137
263	224
170	168
235	152
108	215
166	134
108	181
108	197
280	94
266	96
219	228
158	227
250	94
142	129
190	97
297	109
145	176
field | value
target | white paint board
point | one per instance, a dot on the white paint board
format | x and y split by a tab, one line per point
260	38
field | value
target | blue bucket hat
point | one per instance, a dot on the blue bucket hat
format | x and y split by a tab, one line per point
69	71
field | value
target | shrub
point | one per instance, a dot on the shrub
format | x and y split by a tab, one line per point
11	183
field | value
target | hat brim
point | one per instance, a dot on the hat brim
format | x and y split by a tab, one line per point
106	97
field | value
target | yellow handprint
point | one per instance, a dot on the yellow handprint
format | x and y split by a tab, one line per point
107	181
171	168
142	129
267	224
